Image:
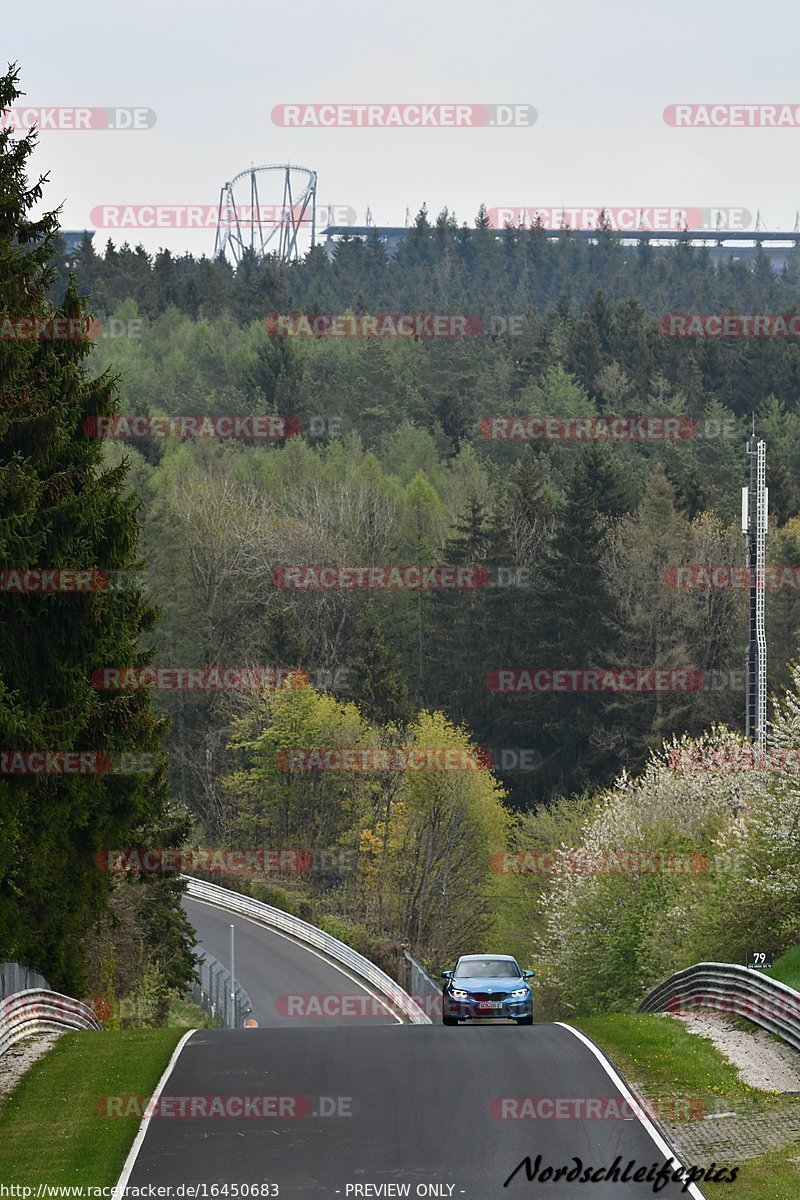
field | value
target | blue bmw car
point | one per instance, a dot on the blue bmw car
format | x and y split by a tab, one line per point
487	985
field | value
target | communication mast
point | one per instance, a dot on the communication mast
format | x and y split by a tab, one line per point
755	500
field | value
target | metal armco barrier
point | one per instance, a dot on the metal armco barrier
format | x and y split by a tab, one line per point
212	991
729	988
274	918
427	990
39	1011
16	978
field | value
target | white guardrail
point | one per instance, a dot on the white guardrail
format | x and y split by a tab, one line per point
730	988
37	1010
309	935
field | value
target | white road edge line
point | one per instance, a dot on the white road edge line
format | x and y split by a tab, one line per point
130	1161
636	1106
296	942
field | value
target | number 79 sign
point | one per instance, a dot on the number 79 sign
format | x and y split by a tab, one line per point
760	960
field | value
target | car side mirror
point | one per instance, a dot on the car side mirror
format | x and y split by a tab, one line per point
447	974
528	974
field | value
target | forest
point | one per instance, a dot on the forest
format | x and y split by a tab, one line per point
422	568
588	550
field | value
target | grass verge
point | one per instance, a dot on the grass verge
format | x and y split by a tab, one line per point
787	968
185	1014
50	1131
671	1066
662	1058
773	1177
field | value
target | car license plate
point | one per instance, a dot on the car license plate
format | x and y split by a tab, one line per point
490	1004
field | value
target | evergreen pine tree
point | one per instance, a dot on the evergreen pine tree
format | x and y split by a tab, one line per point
579	625
380	687
60	509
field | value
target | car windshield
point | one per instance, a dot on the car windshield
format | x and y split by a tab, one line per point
487	968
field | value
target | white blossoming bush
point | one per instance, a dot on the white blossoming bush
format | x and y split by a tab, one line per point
696	859
759	876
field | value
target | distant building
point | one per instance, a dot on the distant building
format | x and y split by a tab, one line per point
74	237
390	236
723	246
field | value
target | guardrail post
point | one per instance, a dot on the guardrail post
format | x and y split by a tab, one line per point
232	1014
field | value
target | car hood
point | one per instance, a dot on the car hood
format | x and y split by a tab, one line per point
483	985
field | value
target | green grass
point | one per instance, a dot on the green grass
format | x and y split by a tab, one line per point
50	1131
185	1014
787	968
773	1177
665	1062
662	1058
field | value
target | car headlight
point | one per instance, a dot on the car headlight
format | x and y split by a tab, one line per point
520	992
459	995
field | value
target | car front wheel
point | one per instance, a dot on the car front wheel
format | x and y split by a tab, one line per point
449	1020
525	1020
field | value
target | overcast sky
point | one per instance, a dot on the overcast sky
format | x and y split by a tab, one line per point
599	75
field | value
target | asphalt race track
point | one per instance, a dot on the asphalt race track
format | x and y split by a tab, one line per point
355	1104
270	966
